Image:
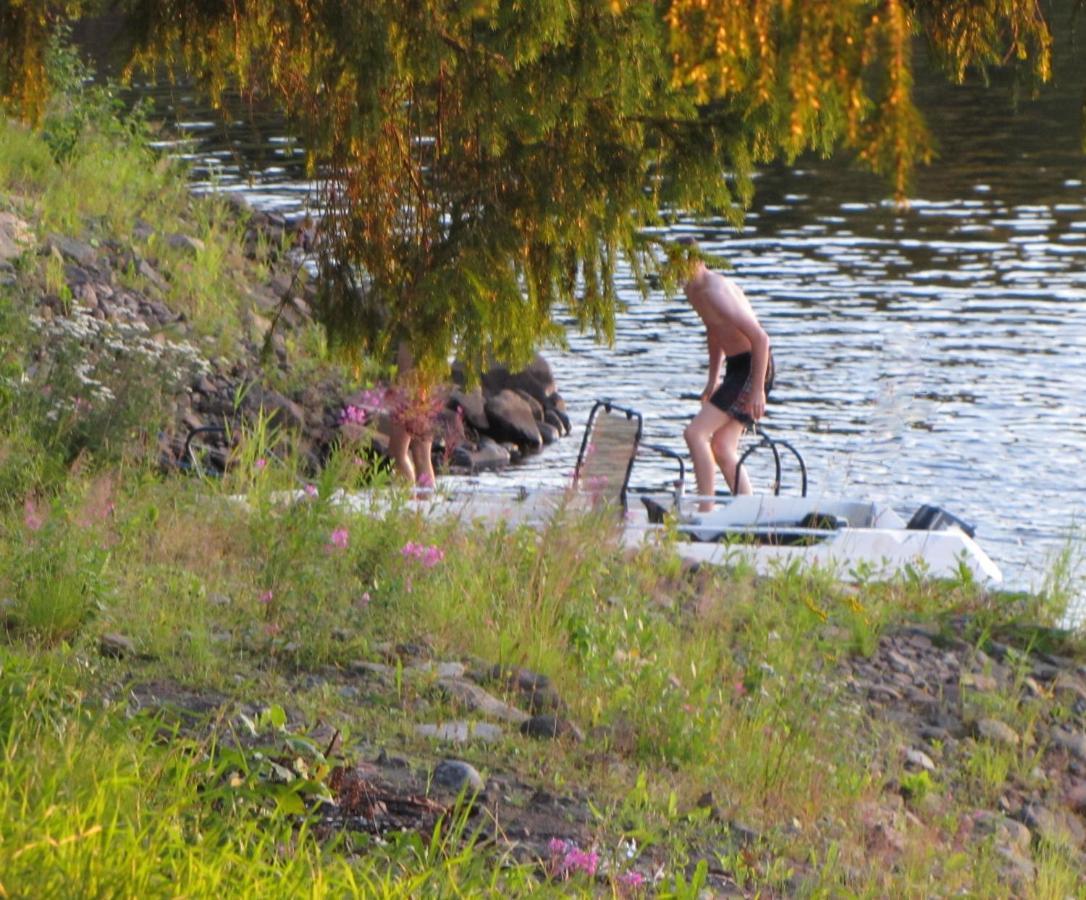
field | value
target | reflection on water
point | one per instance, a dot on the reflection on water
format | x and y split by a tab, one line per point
932	355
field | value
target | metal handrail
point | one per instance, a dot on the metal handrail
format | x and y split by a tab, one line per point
189	454
773	444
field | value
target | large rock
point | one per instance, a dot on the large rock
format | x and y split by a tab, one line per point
558	420
548	432
473	405
537	380
456	775
460	732
536	690
534	405
186	244
15	236
511	419
283	410
488	456
74	250
551	728
997	732
475	698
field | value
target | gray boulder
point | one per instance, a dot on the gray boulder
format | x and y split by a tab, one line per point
15	236
557	420
548	432
488	456
74	250
473	405
284	410
511	419
536	379
456	775
534	405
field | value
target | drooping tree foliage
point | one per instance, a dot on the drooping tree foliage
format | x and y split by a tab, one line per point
484	162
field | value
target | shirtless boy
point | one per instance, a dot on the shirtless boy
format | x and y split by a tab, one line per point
729	407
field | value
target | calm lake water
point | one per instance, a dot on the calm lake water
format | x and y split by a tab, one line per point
936	354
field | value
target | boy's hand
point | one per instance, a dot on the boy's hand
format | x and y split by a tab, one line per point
756	404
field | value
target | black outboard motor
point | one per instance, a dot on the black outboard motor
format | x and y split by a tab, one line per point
935	518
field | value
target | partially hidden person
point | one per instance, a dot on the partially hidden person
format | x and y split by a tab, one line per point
411	416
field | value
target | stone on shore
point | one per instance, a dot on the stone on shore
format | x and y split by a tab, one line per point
511	419
551	728
456	775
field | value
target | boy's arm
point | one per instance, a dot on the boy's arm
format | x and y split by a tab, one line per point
716	354
759	357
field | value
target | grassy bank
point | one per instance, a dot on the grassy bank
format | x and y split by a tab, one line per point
185	679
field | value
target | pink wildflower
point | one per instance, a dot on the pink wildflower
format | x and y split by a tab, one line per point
311	490
339	538
557	846
364	600
631	880
578	860
567	858
261	463
32	517
428	557
373	399
353	415
740	689
267	597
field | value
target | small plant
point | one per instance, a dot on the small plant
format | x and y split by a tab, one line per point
57	575
917	785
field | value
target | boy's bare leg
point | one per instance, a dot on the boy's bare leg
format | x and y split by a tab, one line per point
399	446
725	444
421	454
699	435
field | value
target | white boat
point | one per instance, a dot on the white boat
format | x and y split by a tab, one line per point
853	539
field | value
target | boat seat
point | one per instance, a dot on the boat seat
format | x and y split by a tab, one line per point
935	518
825	521
606	457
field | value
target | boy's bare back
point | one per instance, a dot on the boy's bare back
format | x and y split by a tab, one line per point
725	311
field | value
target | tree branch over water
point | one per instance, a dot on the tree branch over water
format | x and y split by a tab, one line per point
485	165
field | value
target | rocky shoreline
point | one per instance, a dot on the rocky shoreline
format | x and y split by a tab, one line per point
945	707
932	686
509	414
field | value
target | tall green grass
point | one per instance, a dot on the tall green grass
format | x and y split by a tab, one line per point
713	701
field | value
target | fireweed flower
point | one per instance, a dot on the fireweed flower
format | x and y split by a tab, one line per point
428	557
372	399
353	415
32	516
567	858
339	538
